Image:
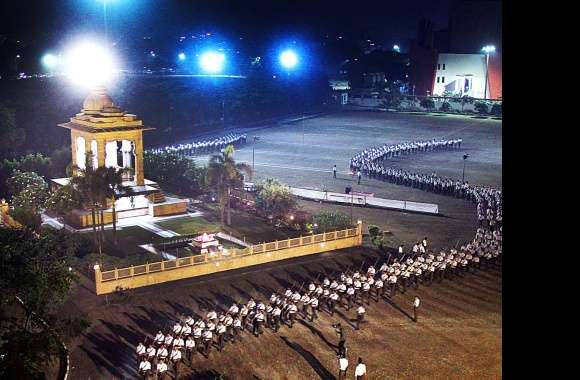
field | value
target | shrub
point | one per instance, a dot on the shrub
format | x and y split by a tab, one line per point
496	109
331	220
481	107
445	107
374	230
427	103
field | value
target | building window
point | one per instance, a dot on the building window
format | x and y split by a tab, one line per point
438	66
443	66
437	79
442	79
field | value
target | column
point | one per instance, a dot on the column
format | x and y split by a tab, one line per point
101	152
139	175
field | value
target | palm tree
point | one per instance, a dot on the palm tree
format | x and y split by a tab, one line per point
90	189
112	179
223	173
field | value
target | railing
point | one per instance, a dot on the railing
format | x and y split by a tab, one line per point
229	254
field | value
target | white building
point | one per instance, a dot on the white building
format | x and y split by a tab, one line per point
460	74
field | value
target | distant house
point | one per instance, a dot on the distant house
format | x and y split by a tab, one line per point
465	75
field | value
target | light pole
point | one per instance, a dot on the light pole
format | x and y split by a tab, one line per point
465	157
487	50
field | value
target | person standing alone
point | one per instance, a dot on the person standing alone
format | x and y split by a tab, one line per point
416	304
334	171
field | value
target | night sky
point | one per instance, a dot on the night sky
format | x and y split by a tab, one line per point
46	23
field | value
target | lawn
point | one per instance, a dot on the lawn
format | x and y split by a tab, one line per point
189	225
127	251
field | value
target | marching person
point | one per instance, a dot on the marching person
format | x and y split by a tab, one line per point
342	366
175	359
313	308
145	368
141	350
190	349
358	175
416	304
360	315
207	341
162	370
360	370
221	335
341	339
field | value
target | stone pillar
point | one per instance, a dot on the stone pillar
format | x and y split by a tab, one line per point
95	154
139	175
73	150
101	152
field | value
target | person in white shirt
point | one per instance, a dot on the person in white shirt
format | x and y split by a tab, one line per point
416	304
145	368
360	314
360	370
190	349
141	350
161	369
342	366
175	359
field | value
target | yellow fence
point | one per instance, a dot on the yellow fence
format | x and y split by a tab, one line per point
199	265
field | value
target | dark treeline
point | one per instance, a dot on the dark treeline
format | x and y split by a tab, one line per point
177	107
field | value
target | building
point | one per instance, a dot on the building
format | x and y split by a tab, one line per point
110	137
465	75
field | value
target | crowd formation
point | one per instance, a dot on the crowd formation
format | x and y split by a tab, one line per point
355	288
370	158
371	163
206	146
352	289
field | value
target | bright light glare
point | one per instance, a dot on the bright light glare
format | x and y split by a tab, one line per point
89	64
181	56
212	62
49	60
288	59
488	49
396	48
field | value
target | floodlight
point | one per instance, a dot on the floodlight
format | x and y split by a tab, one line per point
181	56
89	64
488	49
288	59
49	61
212	62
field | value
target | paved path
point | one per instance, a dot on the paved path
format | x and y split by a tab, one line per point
363	200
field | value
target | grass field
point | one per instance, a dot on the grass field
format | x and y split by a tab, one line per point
189	225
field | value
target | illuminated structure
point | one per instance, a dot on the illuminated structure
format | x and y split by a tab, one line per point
113	138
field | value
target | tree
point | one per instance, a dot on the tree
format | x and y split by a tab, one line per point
34	269
91	190
112	179
29	195
496	109
60	162
392	97
177	174
331	220
275	198
63	200
11	137
223	174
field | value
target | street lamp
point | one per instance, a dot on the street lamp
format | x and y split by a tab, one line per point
212	62
488	49
396	48
465	157
181	56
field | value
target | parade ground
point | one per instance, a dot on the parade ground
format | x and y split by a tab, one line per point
459	331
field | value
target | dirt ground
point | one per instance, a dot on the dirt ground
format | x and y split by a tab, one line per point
459	332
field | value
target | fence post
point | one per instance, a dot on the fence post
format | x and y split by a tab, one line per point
116	274
131	272
162	265
147	267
